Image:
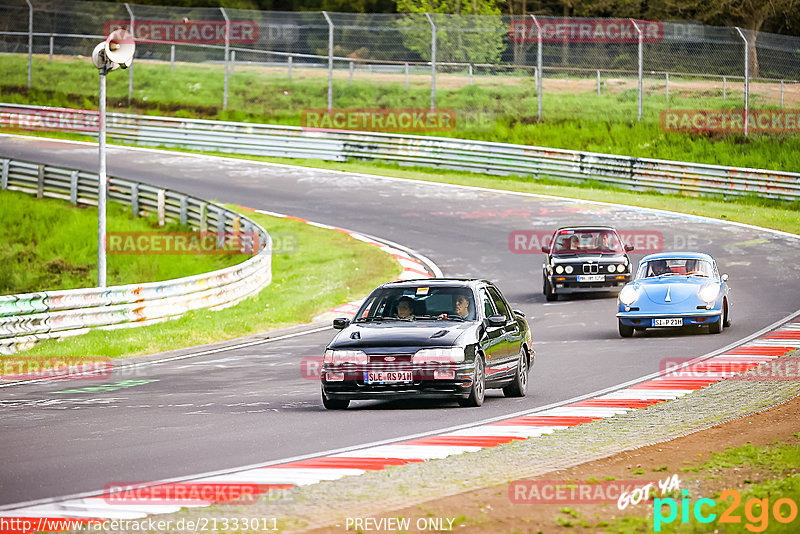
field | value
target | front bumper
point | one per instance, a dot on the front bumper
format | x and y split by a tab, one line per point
424	383
645	320
564	284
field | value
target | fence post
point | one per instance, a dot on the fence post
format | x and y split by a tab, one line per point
40	182
130	68
641	58
233	62
781	94
30	41
666	75
227	52
724	88
73	188
4	174
598	82
330	60
135	199
51	48
289	66
172	58
406	76
433	61
161	207
746	81
470	73
539	70
351	72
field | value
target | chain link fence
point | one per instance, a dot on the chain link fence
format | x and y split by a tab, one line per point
587	69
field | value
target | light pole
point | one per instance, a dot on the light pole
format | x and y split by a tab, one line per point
115	52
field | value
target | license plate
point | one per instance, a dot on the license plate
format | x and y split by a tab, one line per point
668	322
388	377
591	278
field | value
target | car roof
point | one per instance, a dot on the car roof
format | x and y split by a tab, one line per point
586	227
681	255
434	282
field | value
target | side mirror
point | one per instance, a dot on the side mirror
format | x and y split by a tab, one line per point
546	249
628	247
724	277
519	313
341	323
497	320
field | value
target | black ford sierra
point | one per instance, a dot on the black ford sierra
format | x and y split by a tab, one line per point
432	338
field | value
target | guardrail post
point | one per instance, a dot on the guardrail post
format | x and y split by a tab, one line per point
171	58
470	73
330	60
203	217
51	48
433	61
227	52
130	67
161	207
4	174
289	67
73	188
351	72
30	41
220	221
40	183
641	63
539	71
746	81
184	210
135	199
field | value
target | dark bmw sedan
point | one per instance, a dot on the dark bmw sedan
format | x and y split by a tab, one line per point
433	338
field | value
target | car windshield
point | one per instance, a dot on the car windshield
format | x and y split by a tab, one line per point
418	303
586	242
676	267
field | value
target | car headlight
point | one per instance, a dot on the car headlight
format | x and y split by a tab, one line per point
628	295
569	269
709	293
345	356
441	355
559	269
620	268
612	268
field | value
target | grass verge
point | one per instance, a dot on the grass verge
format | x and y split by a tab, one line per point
321	269
48	244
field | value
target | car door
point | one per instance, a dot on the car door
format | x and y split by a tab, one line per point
493	342
511	331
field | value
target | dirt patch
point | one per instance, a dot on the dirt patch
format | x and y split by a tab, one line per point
490	510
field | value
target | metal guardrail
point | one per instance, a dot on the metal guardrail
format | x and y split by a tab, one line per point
637	174
28	318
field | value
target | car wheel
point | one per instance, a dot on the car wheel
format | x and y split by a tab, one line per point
716	328
334	404
548	291
519	387
624	330
478	391
725	314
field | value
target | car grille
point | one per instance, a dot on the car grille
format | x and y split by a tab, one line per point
590	268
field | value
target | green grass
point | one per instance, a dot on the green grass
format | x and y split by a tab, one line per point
502	108
48	244
322	269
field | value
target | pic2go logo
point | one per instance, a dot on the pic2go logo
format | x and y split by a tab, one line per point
756	511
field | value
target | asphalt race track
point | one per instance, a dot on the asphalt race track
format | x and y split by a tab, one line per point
252	405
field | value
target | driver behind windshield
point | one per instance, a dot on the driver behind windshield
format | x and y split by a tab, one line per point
659	267
404	308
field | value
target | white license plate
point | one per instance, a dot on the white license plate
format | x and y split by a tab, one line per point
389	377
591	278
668	322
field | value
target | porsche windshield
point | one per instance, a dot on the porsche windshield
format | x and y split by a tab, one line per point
599	241
676	267
418	303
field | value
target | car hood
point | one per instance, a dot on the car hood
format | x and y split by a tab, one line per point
587	258
678	288
400	334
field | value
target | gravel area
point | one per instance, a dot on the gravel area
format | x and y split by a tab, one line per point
374	493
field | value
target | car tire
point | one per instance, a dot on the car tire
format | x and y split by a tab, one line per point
519	387
548	291
478	390
717	327
726	314
334	404
624	330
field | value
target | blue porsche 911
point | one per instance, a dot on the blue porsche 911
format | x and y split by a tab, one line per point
675	289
